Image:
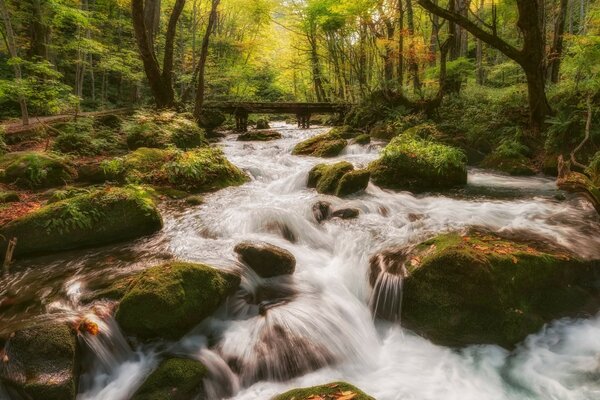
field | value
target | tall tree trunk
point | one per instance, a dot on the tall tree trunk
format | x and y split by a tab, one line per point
557	42
152	20
161	83
400	65
480	75
434	38
413	64
212	19
530	57
12	50
39	31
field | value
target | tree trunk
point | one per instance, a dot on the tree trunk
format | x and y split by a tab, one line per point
413	65
12	50
212	19
557	42
530	57
400	66
480	75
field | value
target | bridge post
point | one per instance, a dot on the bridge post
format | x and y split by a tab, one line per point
241	120
303	120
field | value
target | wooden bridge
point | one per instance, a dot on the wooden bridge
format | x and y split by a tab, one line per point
303	111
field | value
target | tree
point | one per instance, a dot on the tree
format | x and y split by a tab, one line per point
530	57
12	50
202	62
161	82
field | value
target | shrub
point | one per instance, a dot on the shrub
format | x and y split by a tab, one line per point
83	137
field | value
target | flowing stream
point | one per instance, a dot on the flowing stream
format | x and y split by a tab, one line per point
317	325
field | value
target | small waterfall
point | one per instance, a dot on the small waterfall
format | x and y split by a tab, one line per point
387	275
222	382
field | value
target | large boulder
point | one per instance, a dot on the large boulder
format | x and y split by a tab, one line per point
168	300
329	144
478	287
96	218
40	363
198	170
33	170
259	136
266	259
162	129
410	162
174	379
262	123
339	179
334	390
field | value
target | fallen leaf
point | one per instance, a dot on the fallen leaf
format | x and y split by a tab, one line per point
89	327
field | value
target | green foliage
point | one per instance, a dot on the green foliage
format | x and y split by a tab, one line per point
82	137
3	146
593	169
510	157
148	128
35	169
504	75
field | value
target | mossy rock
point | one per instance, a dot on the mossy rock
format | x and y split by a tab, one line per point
515	166
9	197
344	132
383	131
409	162
92	219
329	144
211	119
41	362
259	136
479	288
33	170
262	123
159	130
168	300
174	379
266	259
330	391
362	139
198	170
339	179
194	200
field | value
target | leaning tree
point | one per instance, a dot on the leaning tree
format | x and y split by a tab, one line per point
531	55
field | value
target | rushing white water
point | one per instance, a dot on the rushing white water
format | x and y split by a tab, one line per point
316	326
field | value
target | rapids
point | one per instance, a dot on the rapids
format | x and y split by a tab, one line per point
319	322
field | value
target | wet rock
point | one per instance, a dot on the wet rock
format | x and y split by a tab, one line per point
9	197
321	210
329	144
194	200
34	170
174	379
262	123
96	218
362	139
481	288
168	300
282	229
334	390
346	213
338	179
280	354
515	165
266	259
41	363
262	136
410	162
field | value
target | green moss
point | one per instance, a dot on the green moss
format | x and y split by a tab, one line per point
329	144
510	157
35	170
194	200
174	379
353	182
259	136
83	137
168	300
480	288
9	197
159	130
409	162
197	170
363	139
45	356
329	391
344	132
89	219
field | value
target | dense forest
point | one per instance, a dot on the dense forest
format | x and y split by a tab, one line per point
299	199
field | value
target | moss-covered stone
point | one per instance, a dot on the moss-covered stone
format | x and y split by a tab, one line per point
40	362
174	379
168	300
330	391
481	288
516	166
9	197
328	144
344	132
266	259
259	136
409	162
35	170
363	139
353	182
159	130
339	179
90	219
262	123
194	200
211	119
